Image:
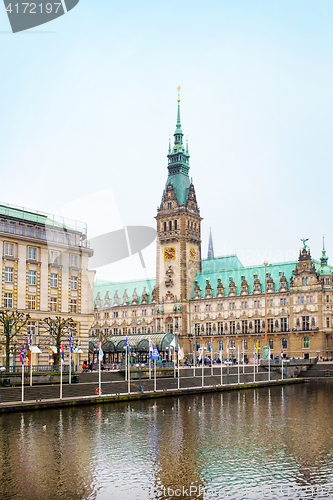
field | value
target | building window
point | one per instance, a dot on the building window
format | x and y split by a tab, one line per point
73	305
306	343
170	225
232	343
106	315
220	328
284	344
257	303
245	345
32	253
73	283
270	325
12	227
53	304
244	326
257	326
197	328
305	323
124	314
175	224
208	307
115	314
165	226
196	308
29	231
9	250
9	274
32	302
32	277
244	305
220	345
74	261
3	226
53	257
232	327
327	322
208	328
270	303
21	229
284	324
283	301
31	328
144	312
327	298
231	305
37	232
220	307
8	301
53	280
301	300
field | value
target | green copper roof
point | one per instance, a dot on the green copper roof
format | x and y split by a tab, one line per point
102	287
220	263
322	269
275	270
181	184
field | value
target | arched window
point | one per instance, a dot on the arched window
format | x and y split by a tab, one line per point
284	344
170	225
271	343
175	224
165	226
306	342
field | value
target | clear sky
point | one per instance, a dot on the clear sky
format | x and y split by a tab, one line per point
88	102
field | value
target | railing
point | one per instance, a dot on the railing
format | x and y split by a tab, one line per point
122	366
35	369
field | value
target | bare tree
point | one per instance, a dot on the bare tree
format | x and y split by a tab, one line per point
60	329
12	322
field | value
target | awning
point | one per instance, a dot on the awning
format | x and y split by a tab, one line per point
35	349
53	349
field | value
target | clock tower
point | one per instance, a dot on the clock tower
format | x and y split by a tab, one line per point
178	258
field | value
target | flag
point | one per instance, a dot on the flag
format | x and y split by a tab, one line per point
62	354
180	353
150	345
155	354
29	342
22	355
193	346
101	353
126	344
227	346
70	344
211	346
281	353
173	343
221	355
200	353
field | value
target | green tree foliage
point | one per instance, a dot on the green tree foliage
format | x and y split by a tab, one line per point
12	323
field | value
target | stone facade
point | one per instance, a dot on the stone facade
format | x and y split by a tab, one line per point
43	271
218	300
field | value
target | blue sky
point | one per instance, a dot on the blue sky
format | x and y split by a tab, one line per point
89	101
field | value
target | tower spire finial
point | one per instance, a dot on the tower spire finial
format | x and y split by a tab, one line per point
323	258
210	245
178	112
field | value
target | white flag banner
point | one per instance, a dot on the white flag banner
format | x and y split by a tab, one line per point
200	354
173	344
220	355
150	345
180	354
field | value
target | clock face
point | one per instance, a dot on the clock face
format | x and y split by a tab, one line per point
193	254
170	253
304	264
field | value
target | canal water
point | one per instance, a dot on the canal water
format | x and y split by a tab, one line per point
260	443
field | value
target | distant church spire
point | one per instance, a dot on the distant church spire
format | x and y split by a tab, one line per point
210	246
323	258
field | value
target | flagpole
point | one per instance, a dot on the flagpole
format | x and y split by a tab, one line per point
178	370
174	361
30	366
269	364
60	377
154	375
99	370
243	358
202	374
70	366
282	365
194	358
221	365
126	347
211	357
238	367
254	365
23	381
129	374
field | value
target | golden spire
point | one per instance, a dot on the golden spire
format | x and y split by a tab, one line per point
178	100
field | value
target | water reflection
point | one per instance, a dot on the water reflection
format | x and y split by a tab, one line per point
233	443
